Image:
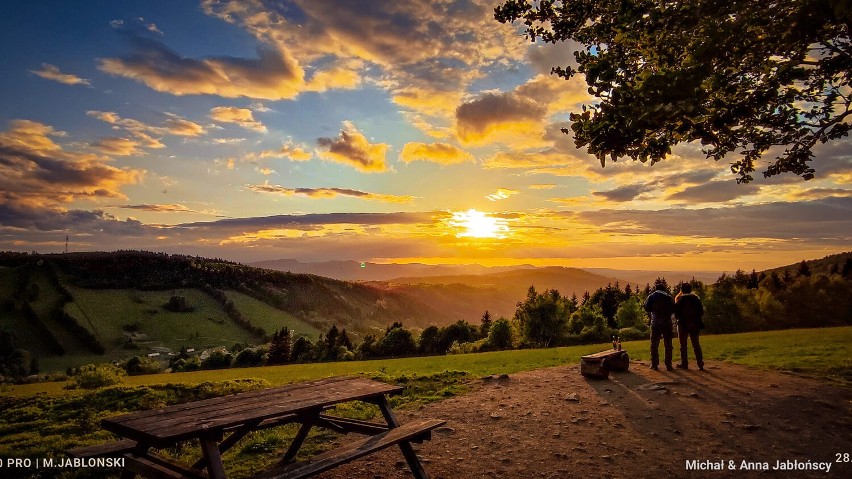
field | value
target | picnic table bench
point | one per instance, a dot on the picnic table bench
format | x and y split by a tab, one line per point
598	365
219	423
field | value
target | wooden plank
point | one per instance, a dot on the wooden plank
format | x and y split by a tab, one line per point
145	466
210	449
170	425
352	451
601	354
116	448
212	402
243	400
345	425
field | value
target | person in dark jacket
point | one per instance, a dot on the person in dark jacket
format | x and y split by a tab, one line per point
689	312
660	306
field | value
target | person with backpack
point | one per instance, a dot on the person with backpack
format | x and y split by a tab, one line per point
689	312
660	306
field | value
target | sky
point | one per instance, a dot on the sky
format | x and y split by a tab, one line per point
318	130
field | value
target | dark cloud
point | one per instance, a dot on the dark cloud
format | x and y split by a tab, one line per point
74	221
828	219
714	192
320	219
328	193
624	193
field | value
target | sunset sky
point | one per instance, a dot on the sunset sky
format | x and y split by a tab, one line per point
403	131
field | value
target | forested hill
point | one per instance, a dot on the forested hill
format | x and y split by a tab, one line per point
104	306
831	264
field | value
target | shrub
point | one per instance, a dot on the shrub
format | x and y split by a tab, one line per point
93	376
178	304
500	335
139	365
217	360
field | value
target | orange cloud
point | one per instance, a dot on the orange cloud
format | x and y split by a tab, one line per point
352	148
273	75
329	193
51	72
115	146
502	194
441	153
37	172
240	116
499	117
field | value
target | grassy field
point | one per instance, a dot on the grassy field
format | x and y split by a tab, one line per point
268	317
111	311
825	353
42	425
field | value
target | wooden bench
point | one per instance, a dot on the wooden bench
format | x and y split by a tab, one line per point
598	365
110	449
415	431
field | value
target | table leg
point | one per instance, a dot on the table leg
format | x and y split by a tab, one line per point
297	442
407	451
210	448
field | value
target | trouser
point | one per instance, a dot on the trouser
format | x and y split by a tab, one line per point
692	334
665	332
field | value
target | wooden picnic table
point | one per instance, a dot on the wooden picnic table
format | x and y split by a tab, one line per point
219	423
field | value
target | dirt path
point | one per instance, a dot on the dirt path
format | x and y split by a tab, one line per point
552	423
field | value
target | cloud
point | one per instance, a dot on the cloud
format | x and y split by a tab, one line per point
542	186
624	193
173	125
544	56
162	208
498	117
352	148
827	219
714	192
178	126
228	141
502	194
289	150
441	153
328	193
425	54
36	171
273	75
240	116
115	146
51	72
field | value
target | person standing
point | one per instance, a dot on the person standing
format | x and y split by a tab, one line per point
660	306
689	312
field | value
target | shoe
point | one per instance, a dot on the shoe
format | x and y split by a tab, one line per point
701	368
684	366
669	368
655	368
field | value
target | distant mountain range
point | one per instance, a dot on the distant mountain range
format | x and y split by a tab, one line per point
356	271
414	272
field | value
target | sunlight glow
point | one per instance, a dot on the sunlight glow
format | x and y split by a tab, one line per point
476	224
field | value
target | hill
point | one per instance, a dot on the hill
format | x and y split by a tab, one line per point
356	271
825	265
69	309
468	296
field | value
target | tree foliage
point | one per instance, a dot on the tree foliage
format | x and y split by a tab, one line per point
739	76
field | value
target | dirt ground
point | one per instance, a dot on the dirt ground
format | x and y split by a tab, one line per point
553	423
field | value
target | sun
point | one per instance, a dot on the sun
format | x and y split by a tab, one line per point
476	224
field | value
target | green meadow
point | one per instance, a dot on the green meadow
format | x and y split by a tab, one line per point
268	317
823	352
44	420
